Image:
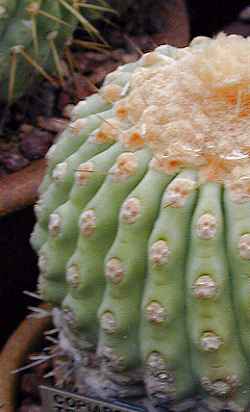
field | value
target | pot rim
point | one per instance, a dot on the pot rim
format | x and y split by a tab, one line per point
22	341
20	189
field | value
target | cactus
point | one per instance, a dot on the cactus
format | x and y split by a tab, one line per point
33	34
143	230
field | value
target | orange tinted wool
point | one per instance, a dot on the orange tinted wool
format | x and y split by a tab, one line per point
122	112
215	168
245	110
101	137
196	105
174	163
135	138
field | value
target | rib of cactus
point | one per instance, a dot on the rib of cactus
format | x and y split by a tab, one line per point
143	229
32	36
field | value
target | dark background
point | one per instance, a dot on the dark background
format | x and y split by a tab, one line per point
207	17
18	262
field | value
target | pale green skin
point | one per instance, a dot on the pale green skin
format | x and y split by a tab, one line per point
71	147
106	204
177	338
70	212
217	314
167	283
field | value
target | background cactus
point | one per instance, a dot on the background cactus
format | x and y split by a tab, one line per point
33	34
143	230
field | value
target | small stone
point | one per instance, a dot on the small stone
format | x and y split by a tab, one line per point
35	144
52	124
13	161
26	128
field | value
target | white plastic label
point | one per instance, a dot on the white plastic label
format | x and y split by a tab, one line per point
61	401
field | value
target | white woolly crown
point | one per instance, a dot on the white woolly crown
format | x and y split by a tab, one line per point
194	109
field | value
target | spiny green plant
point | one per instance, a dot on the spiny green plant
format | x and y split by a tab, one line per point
143	230
33	34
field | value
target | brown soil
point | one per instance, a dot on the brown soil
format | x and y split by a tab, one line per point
29	127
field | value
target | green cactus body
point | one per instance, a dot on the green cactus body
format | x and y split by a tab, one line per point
143	230
163	330
33	34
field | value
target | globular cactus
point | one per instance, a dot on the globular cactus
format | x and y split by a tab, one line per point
143	230
33	34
